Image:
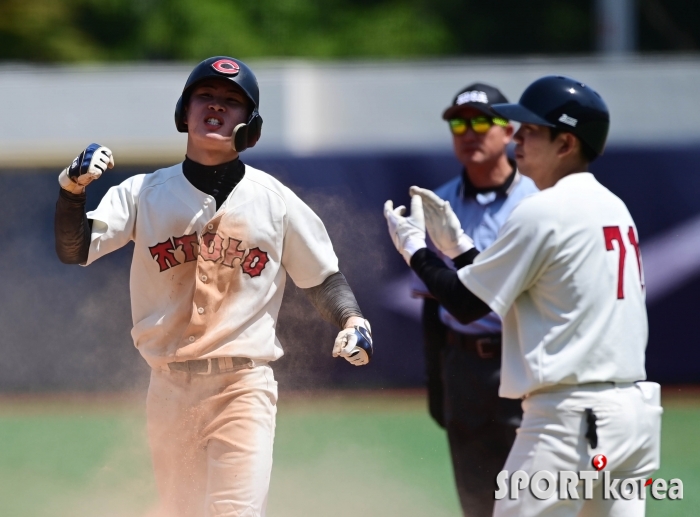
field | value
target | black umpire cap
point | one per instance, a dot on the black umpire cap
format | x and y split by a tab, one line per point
565	104
478	96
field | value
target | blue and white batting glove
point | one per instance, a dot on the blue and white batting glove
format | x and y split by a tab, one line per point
407	233
442	224
355	344
88	166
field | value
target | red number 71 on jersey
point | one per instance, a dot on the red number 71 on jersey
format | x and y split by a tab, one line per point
613	233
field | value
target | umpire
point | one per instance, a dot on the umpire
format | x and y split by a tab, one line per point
463	361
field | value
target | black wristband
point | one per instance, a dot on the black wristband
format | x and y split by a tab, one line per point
465	258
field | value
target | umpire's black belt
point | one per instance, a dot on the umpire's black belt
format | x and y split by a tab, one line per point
485	346
210	366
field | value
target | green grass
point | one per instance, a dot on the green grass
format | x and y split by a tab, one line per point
680	458
60	459
373	456
334	455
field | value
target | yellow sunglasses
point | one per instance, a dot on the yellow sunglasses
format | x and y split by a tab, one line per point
480	125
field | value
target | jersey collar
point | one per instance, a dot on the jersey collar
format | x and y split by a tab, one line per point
215	180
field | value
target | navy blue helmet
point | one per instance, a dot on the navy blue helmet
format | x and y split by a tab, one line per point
223	67
566	104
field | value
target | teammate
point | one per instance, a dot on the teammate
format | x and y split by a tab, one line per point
565	274
464	361
214	240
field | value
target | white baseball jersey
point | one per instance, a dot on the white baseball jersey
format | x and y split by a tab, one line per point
565	274
207	283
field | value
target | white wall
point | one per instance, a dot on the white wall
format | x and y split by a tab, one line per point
48	114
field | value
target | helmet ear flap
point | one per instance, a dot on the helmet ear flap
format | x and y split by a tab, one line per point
254	130
239	140
180	116
246	135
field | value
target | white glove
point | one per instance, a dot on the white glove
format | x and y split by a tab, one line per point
408	233
88	166
354	344
442	223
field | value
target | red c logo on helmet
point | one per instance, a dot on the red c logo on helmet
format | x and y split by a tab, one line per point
226	66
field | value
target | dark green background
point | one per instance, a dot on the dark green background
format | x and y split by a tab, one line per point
131	30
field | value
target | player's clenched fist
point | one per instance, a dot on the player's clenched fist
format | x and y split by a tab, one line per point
354	344
88	166
442	224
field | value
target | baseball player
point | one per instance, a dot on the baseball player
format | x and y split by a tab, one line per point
214	240
464	361
565	275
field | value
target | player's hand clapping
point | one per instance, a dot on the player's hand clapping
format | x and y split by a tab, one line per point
407	233
442	224
88	166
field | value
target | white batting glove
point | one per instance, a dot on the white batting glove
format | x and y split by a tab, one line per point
87	167
407	233
442	223
354	344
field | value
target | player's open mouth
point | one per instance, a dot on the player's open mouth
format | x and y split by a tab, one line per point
212	121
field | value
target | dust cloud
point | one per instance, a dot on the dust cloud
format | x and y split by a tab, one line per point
358	237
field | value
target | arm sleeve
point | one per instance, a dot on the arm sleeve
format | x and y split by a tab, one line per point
444	284
114	219
307	253
71	228
419	289
434	339
334	300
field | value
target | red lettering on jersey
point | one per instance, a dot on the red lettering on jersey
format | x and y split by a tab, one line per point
635	244
163	253
613	233
212	247
189	245
233	252
255	262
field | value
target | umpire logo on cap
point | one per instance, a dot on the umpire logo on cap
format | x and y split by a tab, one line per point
478	96
472	96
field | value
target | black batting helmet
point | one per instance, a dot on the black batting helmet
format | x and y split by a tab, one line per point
566	104
222	67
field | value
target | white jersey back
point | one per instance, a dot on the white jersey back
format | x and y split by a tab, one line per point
208	283
565	274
